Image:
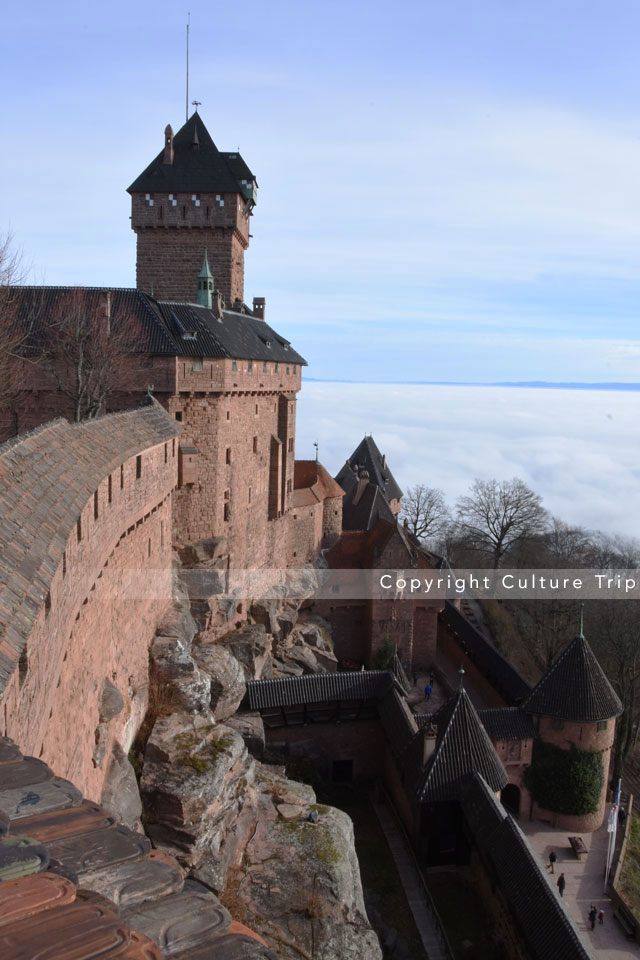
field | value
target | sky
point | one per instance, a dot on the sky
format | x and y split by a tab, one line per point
569	446
448	191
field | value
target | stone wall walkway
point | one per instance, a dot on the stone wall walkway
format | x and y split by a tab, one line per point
432	940
585	882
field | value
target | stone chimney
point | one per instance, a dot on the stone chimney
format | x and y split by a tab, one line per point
363	482
259	305
384	461
168	145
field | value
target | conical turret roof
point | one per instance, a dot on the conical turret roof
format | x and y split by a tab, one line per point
575	688
462	748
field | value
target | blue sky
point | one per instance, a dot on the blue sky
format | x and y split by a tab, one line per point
447	191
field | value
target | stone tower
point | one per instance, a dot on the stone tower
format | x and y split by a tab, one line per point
192	199
574	705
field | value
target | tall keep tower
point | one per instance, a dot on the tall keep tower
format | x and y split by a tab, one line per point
192	198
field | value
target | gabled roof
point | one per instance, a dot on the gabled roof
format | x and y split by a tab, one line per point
313	484
575	688
160	328
367	457
462	747
371	506
318	688
543	923
198	167
507	723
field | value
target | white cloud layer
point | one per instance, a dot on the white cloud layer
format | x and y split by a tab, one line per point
576	448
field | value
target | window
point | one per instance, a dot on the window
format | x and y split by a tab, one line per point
250	366
256	409
122	476
195	199
227	512
196	363
602	725
290	444
287	371
234	365
173	200
295	368
265	367
275	368
255	444
47	604
166	453
173	447
179	416
110	485
96	506
289	486
79	528
64	563
228	415
148	199
149	548
249	494
227	458
138	467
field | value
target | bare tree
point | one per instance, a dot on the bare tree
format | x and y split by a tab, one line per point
425	510
495	516
13	335
86	349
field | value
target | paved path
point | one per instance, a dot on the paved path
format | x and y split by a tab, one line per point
411	883
585	883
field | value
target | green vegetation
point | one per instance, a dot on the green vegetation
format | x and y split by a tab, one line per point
202	756
565	781
384	655
629	885
315	837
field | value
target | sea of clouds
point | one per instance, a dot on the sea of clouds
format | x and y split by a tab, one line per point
577	448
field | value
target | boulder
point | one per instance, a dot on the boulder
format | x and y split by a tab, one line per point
174	671
251	646
178	623
227	685
111	701
203	551
251	728
120	792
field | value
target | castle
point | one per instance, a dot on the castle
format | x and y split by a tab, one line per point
199	445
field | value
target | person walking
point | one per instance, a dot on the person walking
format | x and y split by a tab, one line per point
601	917
561	884
593	913
427	691
552	859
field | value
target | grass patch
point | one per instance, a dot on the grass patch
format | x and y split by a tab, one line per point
629	884
462	916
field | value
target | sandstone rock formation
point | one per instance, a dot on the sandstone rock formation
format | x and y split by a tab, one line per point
241	826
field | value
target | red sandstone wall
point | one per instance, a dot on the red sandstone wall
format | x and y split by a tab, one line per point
90	632
172	242
585	736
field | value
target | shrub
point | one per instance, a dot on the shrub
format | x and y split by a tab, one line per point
565	781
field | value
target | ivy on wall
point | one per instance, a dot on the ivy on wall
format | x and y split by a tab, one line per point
565	781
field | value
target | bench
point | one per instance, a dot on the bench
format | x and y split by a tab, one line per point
578	847
626	922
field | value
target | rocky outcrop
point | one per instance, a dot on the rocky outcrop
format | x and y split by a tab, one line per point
226	678
287	864
120	791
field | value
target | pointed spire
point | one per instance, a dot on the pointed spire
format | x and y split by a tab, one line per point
205	284
461	675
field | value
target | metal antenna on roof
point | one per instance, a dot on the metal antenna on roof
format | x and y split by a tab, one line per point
581	634
196	104
315	443
461	675
187	97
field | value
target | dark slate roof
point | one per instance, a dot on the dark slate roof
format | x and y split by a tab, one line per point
371	506
507	723
46	478
575	688
397	721
462	747
201	169
366	456
543	923
504	677
158	328
318	688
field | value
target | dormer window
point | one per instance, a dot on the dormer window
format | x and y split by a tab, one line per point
173	200
195	199
219	200
148	199
268	343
